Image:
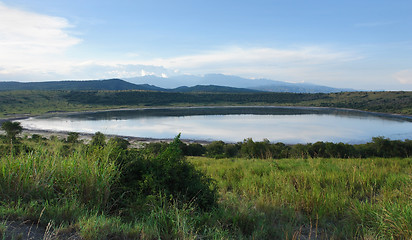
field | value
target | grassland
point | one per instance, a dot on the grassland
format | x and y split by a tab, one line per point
73	188
322	198
23	103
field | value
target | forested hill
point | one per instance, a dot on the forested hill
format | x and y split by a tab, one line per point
110	84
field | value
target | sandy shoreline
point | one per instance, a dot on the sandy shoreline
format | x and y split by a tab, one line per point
86	137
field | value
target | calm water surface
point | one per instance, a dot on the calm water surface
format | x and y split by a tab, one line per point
233	124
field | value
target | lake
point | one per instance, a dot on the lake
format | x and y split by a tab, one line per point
289	125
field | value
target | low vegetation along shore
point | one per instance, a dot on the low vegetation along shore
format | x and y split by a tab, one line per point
105	189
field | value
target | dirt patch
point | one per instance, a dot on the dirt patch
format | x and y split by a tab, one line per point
28	230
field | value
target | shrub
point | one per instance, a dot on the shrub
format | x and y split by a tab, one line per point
194	149
12	129
119	142
167	173
231	150
72	137
216	149
98	140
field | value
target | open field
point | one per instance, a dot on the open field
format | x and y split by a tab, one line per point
317	198
105	191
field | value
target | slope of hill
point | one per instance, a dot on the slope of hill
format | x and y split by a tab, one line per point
300	88
110	84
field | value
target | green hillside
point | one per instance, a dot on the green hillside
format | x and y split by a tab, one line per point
39	102
110	84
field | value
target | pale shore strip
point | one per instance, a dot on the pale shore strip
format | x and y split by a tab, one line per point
135	142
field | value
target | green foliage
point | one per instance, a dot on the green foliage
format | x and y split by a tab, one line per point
11	129
108	84
169	220
98	140
72	137
37	138
119	143
215	149
155	148
379	147
231	150
333	198
99	226
170	174
115	192
77	181
253	149
193	149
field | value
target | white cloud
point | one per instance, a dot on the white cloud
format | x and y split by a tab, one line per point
300	64
28	38
33	47
255	56
295	64
404	76
259	62
102	70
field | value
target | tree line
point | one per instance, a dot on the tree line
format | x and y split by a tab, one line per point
378	147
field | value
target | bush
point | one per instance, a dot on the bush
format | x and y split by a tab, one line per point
98	140
155	148
119	143
194	149
72	137
251	149
216	149
168	173
231	150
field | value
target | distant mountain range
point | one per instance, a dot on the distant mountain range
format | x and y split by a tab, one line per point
236	82
186	83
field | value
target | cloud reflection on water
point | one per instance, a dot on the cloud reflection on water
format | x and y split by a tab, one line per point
300	128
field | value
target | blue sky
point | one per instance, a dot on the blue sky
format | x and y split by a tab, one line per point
353	44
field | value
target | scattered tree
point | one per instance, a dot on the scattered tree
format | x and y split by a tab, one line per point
11	129
98	140
72	137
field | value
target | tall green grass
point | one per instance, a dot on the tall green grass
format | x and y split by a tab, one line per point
75	186
72	188
55	185
344	197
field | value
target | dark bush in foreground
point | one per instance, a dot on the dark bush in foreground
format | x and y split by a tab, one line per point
145	176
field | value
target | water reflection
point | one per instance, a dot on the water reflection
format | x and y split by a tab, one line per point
232	124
